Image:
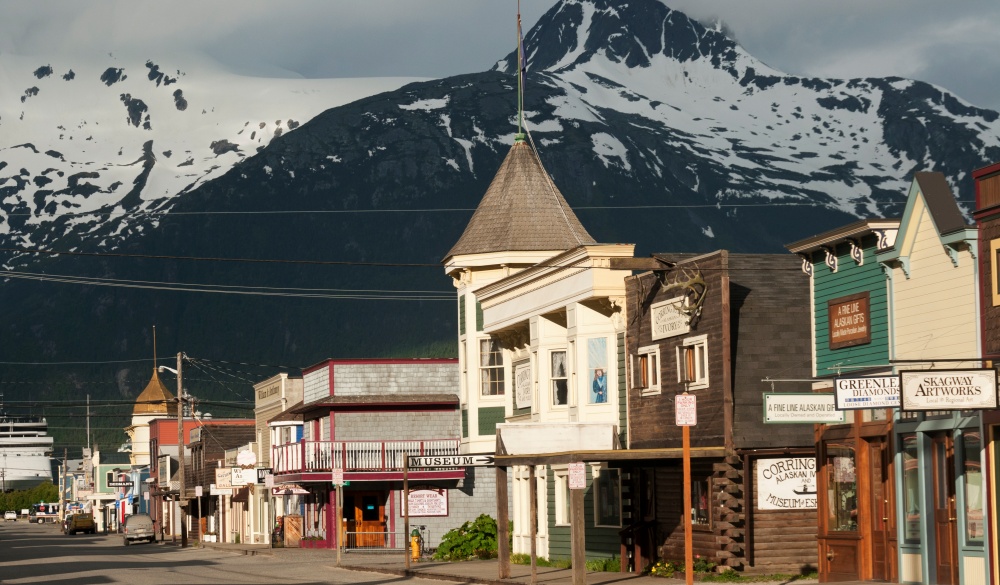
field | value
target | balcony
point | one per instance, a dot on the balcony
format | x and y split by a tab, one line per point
354	456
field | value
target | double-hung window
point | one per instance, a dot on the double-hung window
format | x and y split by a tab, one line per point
560	379
491	367
646	370
692	362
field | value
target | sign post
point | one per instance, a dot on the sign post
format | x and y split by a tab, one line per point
406	509
686	416
337	479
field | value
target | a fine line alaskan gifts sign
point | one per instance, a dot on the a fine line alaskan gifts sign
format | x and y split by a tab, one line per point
948	389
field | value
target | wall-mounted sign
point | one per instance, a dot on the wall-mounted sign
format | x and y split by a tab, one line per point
217	491
223	478
667	319
805	408
246	458
786	484
242	477
577	476
849	321
866	392
685	410
427	501
522	385
948	389
263	473
164	469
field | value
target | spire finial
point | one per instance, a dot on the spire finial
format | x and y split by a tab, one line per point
154	348
521	69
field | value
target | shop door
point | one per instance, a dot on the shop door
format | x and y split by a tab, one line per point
881	528
945	527
364	516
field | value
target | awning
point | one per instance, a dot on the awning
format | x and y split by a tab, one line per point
241	495
289	489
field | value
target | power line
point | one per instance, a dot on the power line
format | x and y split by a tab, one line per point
220	259
380	295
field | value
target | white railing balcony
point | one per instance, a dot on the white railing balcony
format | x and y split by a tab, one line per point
308	456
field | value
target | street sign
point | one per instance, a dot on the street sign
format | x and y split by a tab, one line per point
197	491
577	476
124	484
685	410
337	476
475	460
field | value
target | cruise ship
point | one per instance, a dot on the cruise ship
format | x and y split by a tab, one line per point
25	451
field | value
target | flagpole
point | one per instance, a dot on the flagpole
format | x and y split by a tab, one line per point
520	71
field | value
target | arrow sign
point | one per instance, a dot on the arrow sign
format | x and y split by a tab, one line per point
452	461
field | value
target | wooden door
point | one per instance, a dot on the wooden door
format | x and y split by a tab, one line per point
945	527
364	513
880	530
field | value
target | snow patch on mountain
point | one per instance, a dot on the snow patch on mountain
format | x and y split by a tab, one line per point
114	140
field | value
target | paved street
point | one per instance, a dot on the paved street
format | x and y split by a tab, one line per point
31	553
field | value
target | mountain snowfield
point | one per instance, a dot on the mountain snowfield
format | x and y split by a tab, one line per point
124	137
780	136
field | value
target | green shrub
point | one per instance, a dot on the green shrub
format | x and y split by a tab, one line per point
477	538
612	565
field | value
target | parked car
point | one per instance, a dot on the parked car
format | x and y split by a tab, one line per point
81	522
138	527
10	516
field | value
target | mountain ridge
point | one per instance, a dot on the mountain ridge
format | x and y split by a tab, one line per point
711	150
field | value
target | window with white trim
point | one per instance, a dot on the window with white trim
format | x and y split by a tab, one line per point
692	362
558	375
490	367
608	498
561	477
646	369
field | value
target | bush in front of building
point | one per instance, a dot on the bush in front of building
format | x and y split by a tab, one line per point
475	539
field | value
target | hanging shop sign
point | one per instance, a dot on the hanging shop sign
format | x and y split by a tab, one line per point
242	477
786	484
849	321
522	385
668	320
801	408
223	478
866	392
948	389
427	501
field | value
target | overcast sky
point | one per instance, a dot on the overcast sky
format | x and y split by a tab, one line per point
952	44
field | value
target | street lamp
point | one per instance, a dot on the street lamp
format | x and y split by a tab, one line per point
180	446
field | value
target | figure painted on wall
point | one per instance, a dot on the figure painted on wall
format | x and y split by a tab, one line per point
599	389
597	363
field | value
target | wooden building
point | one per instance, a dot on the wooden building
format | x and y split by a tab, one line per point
856	532
987	217
900	482
716	326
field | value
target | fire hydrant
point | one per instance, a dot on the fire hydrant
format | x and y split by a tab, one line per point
415	544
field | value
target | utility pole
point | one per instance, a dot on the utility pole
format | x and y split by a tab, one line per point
62	486
181	501
88	421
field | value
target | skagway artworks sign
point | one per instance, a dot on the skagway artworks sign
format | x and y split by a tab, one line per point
948	389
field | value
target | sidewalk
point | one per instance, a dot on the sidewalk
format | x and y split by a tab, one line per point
481	572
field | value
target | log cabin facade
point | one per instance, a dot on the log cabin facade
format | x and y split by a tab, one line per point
716	326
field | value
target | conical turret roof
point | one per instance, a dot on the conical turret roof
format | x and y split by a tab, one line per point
155	399
522	210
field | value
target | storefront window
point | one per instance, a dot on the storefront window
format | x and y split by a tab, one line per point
972	470
607	498
911	487
700	509
842	488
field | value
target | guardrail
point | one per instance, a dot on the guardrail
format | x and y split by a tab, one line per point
355	455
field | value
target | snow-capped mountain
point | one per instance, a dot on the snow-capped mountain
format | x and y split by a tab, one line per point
125	137
658	130
640	67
